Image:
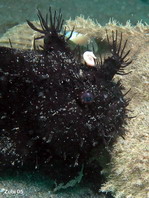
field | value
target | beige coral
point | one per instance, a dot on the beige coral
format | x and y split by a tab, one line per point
129	176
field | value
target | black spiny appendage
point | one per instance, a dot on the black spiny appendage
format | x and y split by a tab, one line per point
53	32
116	63
54	109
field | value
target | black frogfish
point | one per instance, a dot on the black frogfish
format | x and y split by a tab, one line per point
53	106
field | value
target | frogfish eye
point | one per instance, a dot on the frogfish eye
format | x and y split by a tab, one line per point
86	97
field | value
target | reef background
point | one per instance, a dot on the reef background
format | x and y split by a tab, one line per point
128	175
13	12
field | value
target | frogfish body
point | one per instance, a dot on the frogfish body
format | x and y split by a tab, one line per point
53	106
